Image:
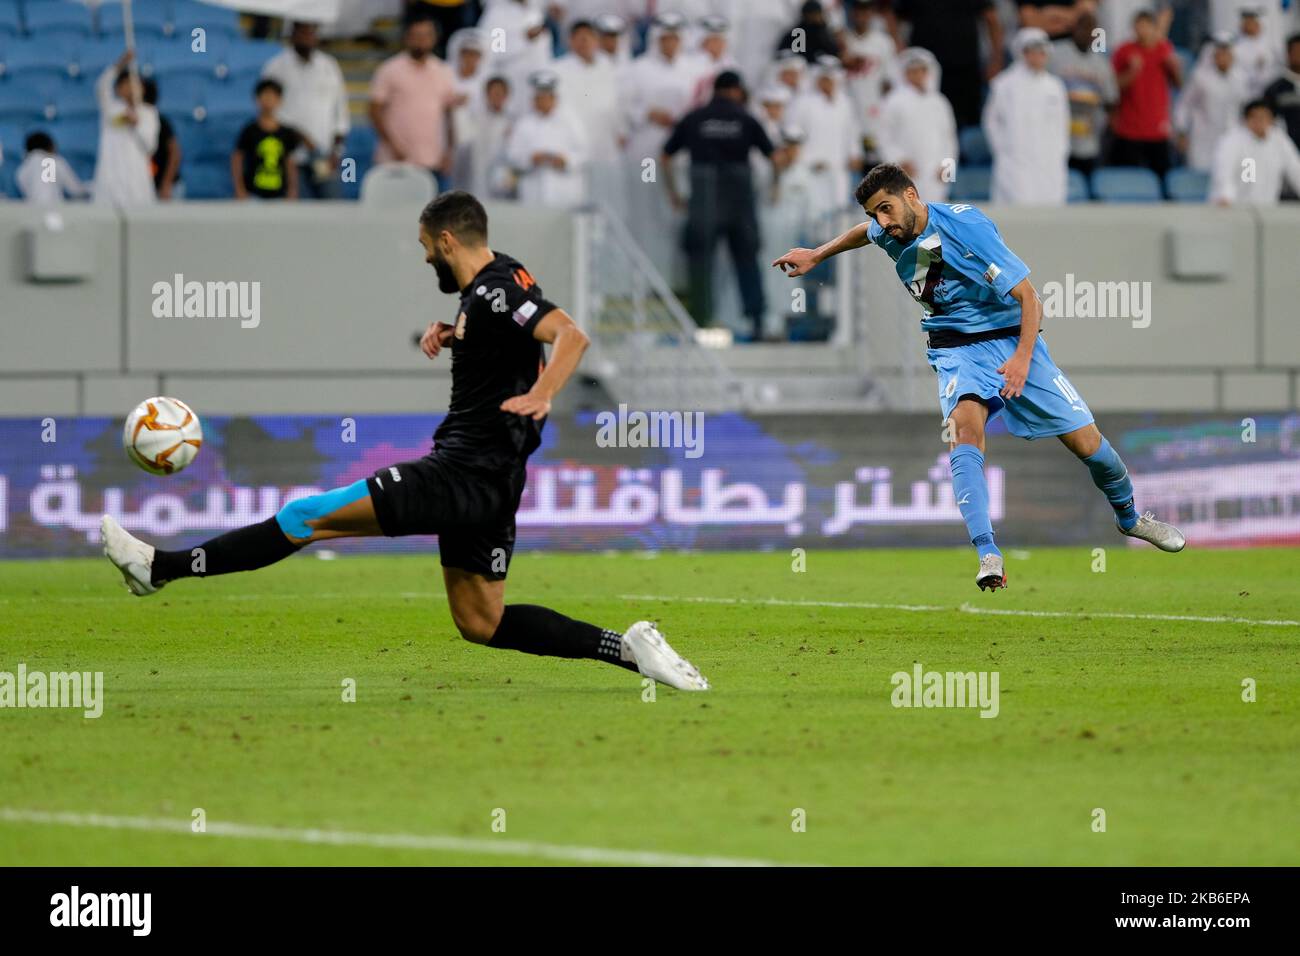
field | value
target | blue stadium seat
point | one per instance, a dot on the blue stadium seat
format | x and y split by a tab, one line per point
18	105
207	180
174	57
82	161
67	19
249	56
215	137
75	101
93	56
1126	184
75	135
360	145
8	188
38	61
10	23
973	147
1077	187
973	183
149	19
1184	184
181	93
229	99
217	21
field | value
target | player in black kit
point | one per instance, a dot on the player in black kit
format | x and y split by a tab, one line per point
467	489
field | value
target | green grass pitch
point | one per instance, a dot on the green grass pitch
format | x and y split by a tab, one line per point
226	695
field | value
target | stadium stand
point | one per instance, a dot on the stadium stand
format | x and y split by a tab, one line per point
1126	184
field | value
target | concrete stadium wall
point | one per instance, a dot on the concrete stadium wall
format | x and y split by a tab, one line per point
343	288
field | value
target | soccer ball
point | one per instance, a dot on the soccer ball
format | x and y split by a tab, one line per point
162	435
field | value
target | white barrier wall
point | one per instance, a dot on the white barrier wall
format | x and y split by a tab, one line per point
342	288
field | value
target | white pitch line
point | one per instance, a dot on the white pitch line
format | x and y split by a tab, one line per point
399	841
963	608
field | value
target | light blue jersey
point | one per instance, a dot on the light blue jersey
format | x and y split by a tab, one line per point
958	269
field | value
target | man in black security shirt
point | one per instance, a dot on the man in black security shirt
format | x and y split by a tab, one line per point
719	137
468	488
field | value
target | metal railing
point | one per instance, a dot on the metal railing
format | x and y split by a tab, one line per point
644	348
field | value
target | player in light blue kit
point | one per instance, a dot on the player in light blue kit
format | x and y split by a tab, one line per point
982	316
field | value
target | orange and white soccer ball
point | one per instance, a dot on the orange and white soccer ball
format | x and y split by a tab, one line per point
162	435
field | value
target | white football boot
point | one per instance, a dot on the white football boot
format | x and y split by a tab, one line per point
992	575
129	555
655	659
1164	536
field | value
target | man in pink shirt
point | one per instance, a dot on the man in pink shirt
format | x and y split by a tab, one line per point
411	99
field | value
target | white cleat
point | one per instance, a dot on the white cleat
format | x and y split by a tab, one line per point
129	555
655	659
992	575
1164	536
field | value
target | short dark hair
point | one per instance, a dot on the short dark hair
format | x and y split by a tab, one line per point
460	214
267	83
1258	103
39	140
581	25
1292	40
497	78
727	80
886	176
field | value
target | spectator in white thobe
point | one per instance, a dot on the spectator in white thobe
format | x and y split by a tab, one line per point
917	128
833	147
315	103
128	136
869	57
489	172
1211	103
1253	159
547	149
44	177
656	93
712	57
1027	124
1259	52
589	89
519	44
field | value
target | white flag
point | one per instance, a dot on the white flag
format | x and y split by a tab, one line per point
311	11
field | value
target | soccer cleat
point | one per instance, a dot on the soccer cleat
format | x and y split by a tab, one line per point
655	659
129	555
991	576
1164	536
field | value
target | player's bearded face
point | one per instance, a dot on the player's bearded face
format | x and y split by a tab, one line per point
446	278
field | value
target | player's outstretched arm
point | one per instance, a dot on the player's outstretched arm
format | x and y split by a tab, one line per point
798	262
567	342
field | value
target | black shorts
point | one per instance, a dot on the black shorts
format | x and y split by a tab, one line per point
472	512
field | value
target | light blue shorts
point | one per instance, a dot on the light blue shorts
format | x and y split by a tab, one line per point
1048	406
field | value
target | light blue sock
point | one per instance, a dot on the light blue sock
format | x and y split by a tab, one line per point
1110	475
972	493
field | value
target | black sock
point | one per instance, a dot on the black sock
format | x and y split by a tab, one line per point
539	630
244	549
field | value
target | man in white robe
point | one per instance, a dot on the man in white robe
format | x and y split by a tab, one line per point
917	128
656	92
1258	51
518	45
833	148
1211	103
1253	159
1027	124
128	137
547	149
712	57
869	58
589	89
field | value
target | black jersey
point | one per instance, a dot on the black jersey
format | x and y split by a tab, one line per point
494	357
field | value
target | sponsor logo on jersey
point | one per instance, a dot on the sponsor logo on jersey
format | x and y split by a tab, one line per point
525	312
991	273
